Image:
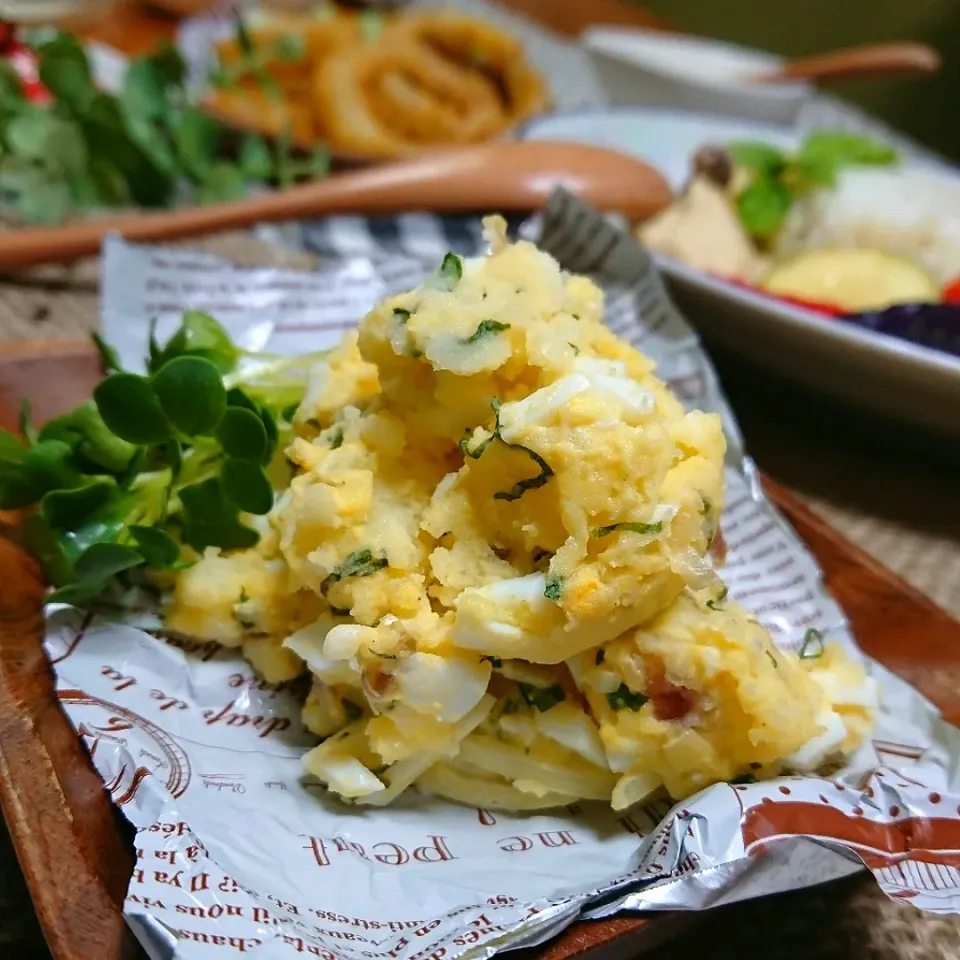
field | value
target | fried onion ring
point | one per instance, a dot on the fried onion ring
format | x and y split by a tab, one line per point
388	100
481	47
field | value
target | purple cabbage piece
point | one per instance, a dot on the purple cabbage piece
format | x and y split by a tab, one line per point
933	325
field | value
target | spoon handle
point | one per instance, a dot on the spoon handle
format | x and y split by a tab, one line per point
381	191
877	59
507	176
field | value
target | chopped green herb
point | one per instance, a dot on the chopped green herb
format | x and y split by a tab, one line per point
628	527
495	662
575	348
360	563
401	315
773	659
533	483
336	439
451	270
744	778
352	710
477	451
812	647
600	657
243	598
484	329
543	698
289	412
553	588
714	604
625	698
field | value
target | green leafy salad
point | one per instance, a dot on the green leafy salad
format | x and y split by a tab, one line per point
774	180
154	461
147	146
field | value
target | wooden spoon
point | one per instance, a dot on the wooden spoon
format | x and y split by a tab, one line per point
851	62
495	177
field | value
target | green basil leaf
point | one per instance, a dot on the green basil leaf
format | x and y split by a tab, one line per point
46	546
212	520
64	70
169	64
144	91
100	561
223	182
763	206
247	486
196	137
131	409
56	143
242	435
191	394
761	157
49	204
256	158
11	87
158	548
843	149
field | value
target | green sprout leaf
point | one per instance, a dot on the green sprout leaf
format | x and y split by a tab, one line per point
191	393
131	409
68	509
247	486
158	548
101	561
242	434
109	358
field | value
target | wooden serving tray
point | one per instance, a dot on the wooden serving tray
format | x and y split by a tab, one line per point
75	848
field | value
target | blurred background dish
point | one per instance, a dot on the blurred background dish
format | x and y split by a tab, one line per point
902	212
651	68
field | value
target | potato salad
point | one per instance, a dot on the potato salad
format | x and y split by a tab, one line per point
492	560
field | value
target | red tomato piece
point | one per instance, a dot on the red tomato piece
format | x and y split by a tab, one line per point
951	292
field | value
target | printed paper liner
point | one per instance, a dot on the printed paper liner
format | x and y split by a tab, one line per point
235	854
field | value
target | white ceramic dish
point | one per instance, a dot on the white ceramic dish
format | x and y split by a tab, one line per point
908	383
651	68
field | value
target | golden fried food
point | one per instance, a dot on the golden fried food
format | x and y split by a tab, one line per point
479	47
376	102
250	107
419	82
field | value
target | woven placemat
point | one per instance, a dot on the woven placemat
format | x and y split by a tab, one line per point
892	513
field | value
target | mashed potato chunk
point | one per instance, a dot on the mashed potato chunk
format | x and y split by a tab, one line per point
493	560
